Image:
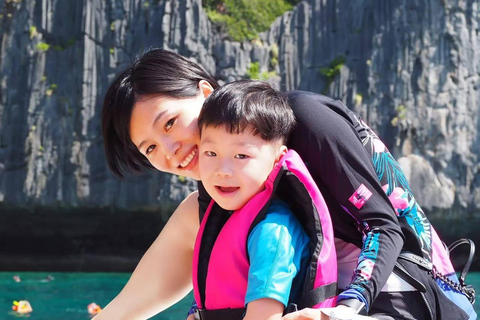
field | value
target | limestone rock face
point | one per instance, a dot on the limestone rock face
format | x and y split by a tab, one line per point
409	68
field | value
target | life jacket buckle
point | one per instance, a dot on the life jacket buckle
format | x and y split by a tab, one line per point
292	307
198	314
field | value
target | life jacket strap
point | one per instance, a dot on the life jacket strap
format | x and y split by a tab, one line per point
220	314
317	295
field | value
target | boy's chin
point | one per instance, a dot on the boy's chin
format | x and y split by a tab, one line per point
230	207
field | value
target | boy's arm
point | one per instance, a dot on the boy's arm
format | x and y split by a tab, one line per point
264	309
164	274
276	247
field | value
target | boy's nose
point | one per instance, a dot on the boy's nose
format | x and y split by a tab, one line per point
224	170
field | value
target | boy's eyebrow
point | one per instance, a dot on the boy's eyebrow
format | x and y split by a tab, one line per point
158	117
206	140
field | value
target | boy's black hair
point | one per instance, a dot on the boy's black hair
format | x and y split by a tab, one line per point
156	71
249	103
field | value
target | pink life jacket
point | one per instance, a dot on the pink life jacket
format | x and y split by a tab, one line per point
221	262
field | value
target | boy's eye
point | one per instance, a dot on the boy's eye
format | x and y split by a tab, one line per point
210	153
241	156
149	149
169	124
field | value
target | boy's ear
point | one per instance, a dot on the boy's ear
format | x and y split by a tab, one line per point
281	152
205	87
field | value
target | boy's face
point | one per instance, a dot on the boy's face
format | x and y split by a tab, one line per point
234	167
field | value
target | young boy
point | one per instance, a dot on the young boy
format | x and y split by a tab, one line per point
244	127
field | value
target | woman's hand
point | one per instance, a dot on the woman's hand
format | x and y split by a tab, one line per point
304	314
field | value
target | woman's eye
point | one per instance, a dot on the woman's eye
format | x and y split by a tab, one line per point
169	124
241	156
149	149
210	153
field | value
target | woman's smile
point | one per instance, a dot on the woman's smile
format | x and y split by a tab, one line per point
190	160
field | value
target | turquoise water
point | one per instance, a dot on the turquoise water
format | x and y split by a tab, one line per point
67	296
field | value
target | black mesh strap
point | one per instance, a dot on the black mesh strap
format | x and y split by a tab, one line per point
220	314
317	295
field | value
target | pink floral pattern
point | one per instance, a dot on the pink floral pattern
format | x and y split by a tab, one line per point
398	198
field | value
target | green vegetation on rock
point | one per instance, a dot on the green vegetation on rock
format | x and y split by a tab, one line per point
33	32
253	72
358	99
400	114
53	87
332	70
244	19
43	46
274	56
182	179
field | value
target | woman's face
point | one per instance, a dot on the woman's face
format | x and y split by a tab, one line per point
165	130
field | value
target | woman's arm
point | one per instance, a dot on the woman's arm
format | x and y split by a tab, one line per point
329	143
264	309
164	274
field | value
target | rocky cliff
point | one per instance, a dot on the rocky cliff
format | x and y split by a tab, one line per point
410	68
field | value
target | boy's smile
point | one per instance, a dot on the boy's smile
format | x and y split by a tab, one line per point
234	167
227	190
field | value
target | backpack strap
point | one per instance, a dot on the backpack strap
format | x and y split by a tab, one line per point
466	268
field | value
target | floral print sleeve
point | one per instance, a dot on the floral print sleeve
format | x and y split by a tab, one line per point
330	142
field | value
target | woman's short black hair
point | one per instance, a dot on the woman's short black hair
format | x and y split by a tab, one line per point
156	71
249	103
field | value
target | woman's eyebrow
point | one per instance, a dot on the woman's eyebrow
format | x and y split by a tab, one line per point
158	117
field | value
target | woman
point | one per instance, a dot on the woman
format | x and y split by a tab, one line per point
150	121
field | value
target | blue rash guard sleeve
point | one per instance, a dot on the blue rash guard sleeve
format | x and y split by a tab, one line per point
278	248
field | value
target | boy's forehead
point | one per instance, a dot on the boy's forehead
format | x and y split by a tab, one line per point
224	129
221	134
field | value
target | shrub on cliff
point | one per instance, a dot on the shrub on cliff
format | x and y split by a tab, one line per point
244	19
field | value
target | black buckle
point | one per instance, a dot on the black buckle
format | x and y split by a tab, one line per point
292	307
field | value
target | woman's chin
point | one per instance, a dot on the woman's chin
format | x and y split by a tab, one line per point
192	174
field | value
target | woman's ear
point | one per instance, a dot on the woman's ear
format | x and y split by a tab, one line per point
205	87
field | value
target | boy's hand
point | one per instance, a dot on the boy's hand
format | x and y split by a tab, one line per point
191	317
316	314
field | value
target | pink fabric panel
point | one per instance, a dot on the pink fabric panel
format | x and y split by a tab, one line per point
440	256
327	261
196	252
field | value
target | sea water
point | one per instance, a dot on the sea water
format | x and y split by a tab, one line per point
65	296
